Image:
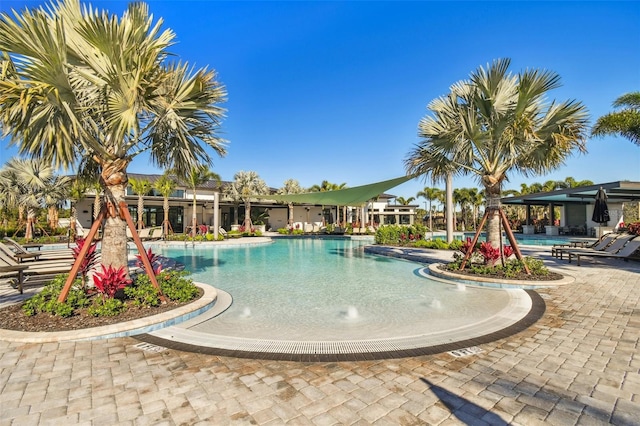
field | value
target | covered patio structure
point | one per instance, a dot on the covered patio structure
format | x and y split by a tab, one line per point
576	205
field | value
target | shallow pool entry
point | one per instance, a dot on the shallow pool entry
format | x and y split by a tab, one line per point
330	291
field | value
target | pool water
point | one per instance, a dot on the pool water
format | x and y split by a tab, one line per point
329	289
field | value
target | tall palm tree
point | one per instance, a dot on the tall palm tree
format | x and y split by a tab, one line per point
430	194
197	176
247	185
231	191
84	84
624	122
476	200
142	188
495	124
291	186
462	198
165	185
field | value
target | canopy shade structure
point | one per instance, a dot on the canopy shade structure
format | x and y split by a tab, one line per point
355	196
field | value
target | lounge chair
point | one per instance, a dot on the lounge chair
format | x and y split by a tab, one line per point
628	251
20	254
613	247
9	267
223	232
144	234
156	233
558	249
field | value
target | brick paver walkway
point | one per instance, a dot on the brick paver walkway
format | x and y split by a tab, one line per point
580	364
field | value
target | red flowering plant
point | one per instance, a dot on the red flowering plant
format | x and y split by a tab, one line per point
153	258
110	280
507	251
634	228
90	259
489	253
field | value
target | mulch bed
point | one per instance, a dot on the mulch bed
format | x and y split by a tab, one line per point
12	317
552	276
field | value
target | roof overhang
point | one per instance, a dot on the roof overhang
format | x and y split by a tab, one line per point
617	192
355	196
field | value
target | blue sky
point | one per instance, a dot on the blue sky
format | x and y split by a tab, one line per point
335	90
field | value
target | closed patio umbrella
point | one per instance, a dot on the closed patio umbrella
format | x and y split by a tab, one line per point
601	210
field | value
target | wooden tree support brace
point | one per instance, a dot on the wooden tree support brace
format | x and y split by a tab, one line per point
510	236
124	213
83	253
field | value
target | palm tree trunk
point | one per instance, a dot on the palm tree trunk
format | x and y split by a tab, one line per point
140	213
114	237
247	216
290	214
493	219
31	218
97	204
74	218
53	217
194	217
165	223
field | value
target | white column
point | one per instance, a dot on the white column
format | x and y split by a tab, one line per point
449	201
216	215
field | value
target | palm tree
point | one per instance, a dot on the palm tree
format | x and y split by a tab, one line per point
430	194
54	194
31	178
291	186
231	191
325	186
495	124
461	197
165	185
570	182
405	201
247	185
83	84
197	176
142	188
624	122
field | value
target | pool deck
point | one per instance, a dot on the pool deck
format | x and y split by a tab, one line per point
579	364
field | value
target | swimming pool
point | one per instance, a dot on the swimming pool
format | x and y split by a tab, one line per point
321	290
528	239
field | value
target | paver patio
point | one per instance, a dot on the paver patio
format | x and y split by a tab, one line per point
579	364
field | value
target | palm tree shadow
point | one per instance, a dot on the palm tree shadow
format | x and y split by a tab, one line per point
464	410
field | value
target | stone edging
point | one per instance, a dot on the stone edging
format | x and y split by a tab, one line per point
129	328
435	270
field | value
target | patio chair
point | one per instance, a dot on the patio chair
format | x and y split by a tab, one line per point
613	247
628	251
144	234
558	249
9	267
20	253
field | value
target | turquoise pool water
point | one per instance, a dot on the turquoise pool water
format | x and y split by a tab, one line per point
530	240
318	289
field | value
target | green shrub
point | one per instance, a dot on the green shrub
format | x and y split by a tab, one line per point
283	231
455	245
142	292
47	300
176	287
106	307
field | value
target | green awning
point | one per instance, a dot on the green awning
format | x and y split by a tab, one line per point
355	196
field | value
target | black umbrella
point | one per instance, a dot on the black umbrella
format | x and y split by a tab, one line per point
601	210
